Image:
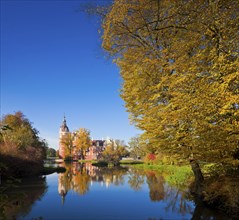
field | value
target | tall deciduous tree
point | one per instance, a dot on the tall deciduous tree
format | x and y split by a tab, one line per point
137	149
83	141
67	141
21	132
179	62
17	132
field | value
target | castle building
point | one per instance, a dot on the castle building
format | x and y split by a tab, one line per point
92	153
64	131
95	150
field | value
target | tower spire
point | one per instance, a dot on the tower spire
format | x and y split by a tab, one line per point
64	121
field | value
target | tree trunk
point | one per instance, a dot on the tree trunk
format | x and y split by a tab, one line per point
198	177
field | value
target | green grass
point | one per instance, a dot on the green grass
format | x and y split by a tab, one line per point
173	174
178	174
87	161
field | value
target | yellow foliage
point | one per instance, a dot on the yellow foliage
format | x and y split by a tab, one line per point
180	65
82	140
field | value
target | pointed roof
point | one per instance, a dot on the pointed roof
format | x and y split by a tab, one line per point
64	127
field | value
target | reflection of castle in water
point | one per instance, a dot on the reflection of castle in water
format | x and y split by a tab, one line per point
78	178
61	187
75	178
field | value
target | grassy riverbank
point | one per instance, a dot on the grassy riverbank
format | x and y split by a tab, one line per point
174	175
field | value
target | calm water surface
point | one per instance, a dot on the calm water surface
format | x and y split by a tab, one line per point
87	192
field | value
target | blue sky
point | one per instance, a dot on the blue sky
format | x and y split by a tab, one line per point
52	64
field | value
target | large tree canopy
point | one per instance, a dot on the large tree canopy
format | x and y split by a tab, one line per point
19	135
21	149
179	61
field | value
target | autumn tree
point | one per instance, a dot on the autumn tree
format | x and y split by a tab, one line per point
67	142
21	148
20	135
136	148
179	64
122	148
114	151
20	132
82	141
110	155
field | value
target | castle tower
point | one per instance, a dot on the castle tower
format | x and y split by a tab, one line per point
64	130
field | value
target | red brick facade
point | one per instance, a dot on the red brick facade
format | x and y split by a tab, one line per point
95	150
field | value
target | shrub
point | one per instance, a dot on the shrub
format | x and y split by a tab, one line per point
150	158
100	164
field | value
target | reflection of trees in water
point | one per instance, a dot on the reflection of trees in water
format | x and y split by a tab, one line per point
21	198
156	186
136	179
80	181
154	180
160	190
112	175
177	201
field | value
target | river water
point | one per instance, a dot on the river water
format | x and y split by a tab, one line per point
88	192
